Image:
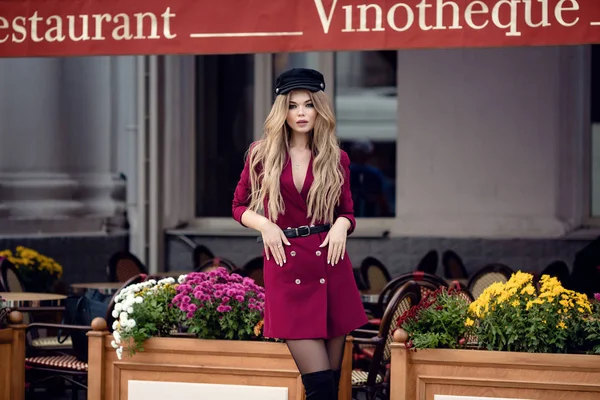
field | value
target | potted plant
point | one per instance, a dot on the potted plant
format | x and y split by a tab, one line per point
203	328
438	321
514	341
207	305
40	273
514	316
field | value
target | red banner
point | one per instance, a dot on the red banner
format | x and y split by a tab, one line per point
97	27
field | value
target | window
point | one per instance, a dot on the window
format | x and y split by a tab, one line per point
224	128
366	109
231	107
595	120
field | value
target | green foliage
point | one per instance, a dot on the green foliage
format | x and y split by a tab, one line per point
438	321
144	311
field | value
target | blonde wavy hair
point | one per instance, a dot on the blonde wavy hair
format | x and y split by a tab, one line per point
267	158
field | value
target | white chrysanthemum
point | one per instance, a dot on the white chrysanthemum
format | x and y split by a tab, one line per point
114	344
166	281
181	278
125	302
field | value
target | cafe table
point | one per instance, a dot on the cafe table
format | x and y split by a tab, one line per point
31	299
102	287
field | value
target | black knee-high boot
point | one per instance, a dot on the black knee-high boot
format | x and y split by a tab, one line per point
337	374
319	385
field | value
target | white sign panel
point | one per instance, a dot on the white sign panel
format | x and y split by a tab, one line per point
452	397
149	390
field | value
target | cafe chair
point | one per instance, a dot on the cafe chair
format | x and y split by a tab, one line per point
559	270
371	377
71	366
215	263
487	275
429	262
253	269
360	282
10	277
454	268
427	283
201	255
462	290
123	265
44	369
374	275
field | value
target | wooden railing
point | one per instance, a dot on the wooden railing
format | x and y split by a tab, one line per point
12	359
169	364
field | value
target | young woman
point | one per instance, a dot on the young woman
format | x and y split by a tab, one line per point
297	174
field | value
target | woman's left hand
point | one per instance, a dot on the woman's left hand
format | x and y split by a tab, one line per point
336	239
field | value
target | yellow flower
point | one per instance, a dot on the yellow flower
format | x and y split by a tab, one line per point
516	303
28	260
529	305
6	253
561	325
529	289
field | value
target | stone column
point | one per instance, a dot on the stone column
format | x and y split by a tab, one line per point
91	99
34	183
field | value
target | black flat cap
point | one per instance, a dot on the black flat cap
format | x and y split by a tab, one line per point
299	78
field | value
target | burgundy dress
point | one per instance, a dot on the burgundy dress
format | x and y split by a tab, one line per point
306	298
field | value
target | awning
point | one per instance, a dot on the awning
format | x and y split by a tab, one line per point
112	27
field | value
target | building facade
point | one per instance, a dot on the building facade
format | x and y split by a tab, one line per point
493	153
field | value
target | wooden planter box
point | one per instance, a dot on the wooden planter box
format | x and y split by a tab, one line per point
474	374
173	368
12	359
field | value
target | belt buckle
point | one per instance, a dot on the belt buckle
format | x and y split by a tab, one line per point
302	227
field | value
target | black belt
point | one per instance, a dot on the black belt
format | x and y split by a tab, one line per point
302	231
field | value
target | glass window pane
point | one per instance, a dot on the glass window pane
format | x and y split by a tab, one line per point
366	108
224	128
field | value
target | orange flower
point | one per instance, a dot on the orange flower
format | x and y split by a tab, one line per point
258	327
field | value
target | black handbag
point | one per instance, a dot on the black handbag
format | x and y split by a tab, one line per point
81	310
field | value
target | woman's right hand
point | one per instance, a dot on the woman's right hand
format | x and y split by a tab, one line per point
273	240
